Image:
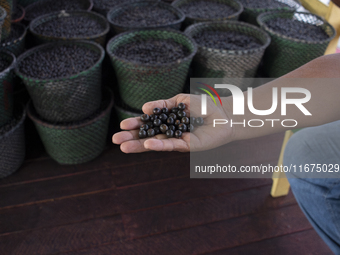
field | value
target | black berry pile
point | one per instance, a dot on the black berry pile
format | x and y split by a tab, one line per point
16	32
143	16
297	29
226	40
3	64
49	6
267	4
152	51
9	126
108	4
70	27
172	123
207	10
59	61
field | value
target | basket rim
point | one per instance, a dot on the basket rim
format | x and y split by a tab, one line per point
191	28
47	45
120	7
189	39
3	13
20	38
13	63
35	118
269	30
235	14
121	109
18	125
22	15
32	5
55	15
296	6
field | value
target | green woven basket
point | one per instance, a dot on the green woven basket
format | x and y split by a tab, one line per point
121	9
68	98
75	143
285	54
100	37
3	15
47	6
249	14
12	148
123	113
16	46
192	20
6	88
216	63
6	26
140	83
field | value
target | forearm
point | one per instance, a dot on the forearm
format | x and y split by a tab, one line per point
319	77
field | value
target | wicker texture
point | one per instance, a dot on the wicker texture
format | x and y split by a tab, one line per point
12	149
6	89
74	144
3	15
250	15
6	27
192	20
69	98
86	5
125	114
216	63
98	38
17	46
286	54
141	83
118	28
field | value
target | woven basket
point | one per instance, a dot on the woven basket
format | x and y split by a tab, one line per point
216	63
140	83
191	20
12	148
3	15
123	113
16	46
74	143
100	37
285	54
6	89
6	27
25	3
104	6
118	28
70	98
22	13
47	5
249	15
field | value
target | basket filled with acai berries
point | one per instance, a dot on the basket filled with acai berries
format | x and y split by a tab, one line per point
171	122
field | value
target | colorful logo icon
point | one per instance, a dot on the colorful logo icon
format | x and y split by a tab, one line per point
209	93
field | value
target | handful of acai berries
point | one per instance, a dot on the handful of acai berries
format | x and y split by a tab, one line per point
172	123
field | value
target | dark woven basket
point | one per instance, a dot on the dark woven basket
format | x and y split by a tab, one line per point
12	148
6	27
118	28
16	46
285	54
100	37
21	11
123	113
140	83
47	5
216	63
6	89
3	15
191	20
70	98
25	3
74	143
249	14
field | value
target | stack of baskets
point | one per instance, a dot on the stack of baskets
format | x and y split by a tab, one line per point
70	113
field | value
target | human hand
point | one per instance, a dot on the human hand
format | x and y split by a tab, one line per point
203	138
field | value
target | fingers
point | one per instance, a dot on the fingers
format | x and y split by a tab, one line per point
131	123
124	136
137	146
172	144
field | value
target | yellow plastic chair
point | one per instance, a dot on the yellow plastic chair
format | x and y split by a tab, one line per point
331	13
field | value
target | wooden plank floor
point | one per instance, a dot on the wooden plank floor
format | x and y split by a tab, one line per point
147	204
